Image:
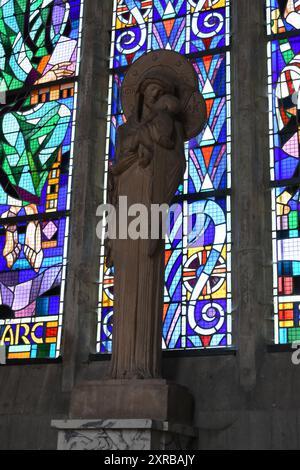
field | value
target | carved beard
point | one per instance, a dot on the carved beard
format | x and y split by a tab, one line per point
282	6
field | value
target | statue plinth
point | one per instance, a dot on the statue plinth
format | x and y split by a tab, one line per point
132	399
128	415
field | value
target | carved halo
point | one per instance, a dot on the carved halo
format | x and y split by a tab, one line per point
184	78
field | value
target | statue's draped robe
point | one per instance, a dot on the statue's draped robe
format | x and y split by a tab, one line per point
139	264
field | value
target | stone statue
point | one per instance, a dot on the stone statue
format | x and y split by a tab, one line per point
164	109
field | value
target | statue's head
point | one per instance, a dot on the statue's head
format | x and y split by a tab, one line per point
164	81
153	86
152	93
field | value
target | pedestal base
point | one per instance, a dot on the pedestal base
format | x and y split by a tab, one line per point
132	399
135	434
135	415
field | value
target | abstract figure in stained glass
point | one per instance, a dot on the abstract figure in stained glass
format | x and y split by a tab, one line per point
284	89
34	49
288	104
208	273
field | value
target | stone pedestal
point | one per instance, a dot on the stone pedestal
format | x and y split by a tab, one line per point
138	434
132	399
134	415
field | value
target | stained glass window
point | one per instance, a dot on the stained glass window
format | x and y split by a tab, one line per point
39	51
283	23
197	298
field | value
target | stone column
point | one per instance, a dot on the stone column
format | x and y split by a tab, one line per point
79	333
251	200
